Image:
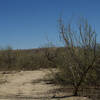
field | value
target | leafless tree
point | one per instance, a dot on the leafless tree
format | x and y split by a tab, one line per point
80	47
79	57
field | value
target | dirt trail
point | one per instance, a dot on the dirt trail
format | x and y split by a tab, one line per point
27	85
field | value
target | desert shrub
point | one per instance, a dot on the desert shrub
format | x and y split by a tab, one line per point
77	64
23	59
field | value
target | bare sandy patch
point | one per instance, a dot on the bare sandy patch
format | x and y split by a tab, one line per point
28	85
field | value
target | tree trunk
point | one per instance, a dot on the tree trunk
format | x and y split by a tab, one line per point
75	91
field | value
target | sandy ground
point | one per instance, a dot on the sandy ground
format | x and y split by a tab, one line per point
28	85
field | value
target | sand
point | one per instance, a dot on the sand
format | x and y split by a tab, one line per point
28	85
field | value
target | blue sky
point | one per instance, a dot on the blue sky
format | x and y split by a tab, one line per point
30	23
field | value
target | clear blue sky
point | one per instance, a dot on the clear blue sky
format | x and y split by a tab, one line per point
27	23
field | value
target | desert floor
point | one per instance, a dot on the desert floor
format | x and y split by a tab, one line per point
30	85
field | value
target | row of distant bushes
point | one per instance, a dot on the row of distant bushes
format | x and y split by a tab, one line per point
30	59
23	59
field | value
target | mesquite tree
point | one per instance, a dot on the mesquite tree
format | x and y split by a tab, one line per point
77	61
80	47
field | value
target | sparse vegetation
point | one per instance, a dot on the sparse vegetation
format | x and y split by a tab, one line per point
78	62
22	59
